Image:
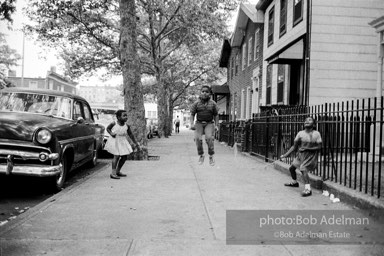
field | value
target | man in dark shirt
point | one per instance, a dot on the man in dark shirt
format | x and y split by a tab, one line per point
206	112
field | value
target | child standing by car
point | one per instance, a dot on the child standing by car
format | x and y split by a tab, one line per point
118	144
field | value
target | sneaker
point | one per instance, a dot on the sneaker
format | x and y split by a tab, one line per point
201	159
114	176
292	184
306	192
121	174
211	161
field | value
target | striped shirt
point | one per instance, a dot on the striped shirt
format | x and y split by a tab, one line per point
205	111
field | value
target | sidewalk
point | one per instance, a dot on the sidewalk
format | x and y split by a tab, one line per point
168	207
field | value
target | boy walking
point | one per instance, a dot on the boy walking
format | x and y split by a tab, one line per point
206	112
308	142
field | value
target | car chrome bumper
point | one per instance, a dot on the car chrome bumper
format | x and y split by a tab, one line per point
37	171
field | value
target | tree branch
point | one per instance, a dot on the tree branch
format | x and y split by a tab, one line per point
169	20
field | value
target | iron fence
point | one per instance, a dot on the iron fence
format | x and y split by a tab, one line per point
352	133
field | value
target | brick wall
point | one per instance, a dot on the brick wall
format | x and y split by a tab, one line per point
244	78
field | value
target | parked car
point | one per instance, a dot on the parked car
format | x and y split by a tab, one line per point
152	127
46	134
104	116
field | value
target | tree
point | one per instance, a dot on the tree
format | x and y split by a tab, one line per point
189	68
130	65
7	8
91	36
168	25
8	59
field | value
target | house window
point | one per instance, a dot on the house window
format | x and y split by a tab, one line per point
249	51
237	64
257	44
297	11
249	104
32	84
283	17
242	104
269	85
280	83
271	25
50	85
244	56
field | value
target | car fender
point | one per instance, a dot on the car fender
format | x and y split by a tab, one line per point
68	149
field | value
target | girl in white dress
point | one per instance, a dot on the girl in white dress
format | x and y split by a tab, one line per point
118	144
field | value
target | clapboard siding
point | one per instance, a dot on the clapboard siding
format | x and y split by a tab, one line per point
338	65
342	57
343	39
324	19
343	49
344	84
340	74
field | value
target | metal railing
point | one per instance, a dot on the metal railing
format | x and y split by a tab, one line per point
352	132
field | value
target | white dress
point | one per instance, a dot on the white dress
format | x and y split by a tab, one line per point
119	146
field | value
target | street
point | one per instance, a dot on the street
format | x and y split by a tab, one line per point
19	194
174	206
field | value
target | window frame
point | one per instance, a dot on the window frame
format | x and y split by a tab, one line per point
249	51
298	19
268	93
271	29
256	52
237	64
283	17
243	56
280	83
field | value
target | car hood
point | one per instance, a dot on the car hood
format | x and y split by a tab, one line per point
21	126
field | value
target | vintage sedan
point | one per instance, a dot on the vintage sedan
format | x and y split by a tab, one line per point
46	134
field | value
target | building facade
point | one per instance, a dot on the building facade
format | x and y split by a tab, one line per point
318	51
53	81
242	56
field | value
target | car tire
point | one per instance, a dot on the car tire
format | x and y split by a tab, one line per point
57	182
95	158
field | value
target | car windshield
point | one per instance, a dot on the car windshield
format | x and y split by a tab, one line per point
36	103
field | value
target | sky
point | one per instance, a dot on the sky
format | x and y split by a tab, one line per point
39	59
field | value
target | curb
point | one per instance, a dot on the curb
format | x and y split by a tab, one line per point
347	195
25	216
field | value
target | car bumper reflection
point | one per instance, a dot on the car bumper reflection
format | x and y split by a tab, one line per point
37	171
18	162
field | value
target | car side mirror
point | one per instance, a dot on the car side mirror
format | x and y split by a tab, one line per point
80	120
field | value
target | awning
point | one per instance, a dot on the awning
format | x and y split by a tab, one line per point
292	54
220	89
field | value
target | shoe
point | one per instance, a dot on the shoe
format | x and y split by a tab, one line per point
114	176
306	192
121	174
211	161
292	184
201	159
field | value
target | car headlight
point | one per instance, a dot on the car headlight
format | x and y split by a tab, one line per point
43	136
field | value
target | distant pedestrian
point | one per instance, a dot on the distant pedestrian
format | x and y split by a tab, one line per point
177	124
118	144
308	143
206	112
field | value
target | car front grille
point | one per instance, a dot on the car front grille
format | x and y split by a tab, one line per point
23	155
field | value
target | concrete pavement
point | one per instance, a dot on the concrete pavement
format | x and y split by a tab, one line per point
168	207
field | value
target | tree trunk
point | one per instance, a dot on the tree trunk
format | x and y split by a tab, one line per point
130	64
171	125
